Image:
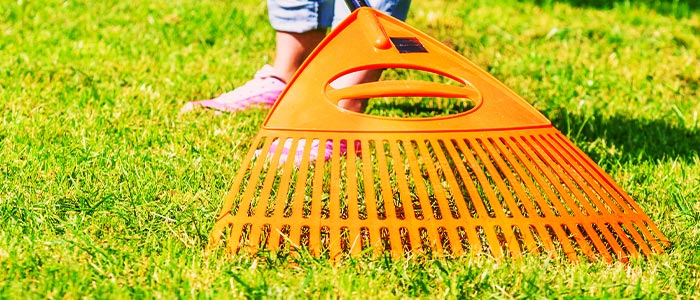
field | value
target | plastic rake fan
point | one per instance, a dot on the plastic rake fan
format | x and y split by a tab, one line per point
497	178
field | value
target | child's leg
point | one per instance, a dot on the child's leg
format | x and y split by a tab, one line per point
292	49
300	26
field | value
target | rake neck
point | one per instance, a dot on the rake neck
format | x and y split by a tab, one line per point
355	4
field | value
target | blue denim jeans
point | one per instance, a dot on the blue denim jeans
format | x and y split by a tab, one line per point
306	15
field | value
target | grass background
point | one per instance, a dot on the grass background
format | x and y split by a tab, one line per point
106	191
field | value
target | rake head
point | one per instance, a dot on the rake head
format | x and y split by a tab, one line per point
497	178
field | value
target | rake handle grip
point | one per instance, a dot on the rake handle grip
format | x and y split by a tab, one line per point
402	88
355	4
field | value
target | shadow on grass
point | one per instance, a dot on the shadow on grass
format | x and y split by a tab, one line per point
676	8
633	140
604	138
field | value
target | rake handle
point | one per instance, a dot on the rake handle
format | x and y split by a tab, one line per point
402	88
355	4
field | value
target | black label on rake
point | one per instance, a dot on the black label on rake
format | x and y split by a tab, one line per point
408	45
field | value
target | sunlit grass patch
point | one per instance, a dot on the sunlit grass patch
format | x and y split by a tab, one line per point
107	191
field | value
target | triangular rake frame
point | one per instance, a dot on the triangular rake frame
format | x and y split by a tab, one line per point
497	178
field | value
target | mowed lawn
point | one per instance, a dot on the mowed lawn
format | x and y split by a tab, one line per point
107	191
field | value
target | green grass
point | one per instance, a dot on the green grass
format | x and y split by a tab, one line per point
106	191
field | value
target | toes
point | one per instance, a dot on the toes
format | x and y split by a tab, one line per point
190	106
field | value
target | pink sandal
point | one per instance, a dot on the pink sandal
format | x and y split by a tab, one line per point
299	152
261	91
